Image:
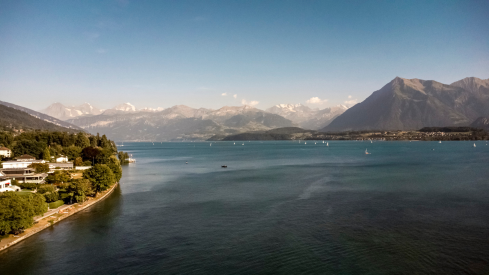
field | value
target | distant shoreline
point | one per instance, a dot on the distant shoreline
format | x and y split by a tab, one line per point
52	219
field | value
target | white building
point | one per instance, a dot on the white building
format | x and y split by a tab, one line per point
5	152
62	159
6	185
20	164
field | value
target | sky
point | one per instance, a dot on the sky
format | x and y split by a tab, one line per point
215	53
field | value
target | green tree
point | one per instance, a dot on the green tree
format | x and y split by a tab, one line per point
81	140
93	141
79	189
101	177
115	166
31	147
17	212
58	177
46	154
78	162
72	152
90	153
40	167
123	157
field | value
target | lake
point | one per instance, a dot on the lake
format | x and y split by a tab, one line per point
280	207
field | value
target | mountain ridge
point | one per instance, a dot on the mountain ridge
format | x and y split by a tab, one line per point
407	104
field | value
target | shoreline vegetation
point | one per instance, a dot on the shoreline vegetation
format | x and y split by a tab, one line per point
54	216
32	164
424	134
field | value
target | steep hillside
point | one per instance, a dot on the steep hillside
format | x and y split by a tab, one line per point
406	104
481	123
13	119
41	116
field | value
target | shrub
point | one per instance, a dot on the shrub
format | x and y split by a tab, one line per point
51	196
45	188
56	204
27	185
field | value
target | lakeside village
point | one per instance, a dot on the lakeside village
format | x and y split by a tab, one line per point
42	170
424	134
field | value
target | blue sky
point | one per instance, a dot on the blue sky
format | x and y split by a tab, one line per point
163	53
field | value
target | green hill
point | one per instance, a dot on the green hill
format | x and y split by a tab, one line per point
13	119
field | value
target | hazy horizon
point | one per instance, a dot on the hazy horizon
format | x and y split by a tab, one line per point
211	54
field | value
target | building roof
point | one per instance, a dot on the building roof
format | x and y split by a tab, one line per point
4	149
26	157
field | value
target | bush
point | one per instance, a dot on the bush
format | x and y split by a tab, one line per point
45	188
51	196
56	204
27	185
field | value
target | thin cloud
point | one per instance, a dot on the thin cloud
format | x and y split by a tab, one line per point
349	96
316	100
235	96
101	51
250	103
224	94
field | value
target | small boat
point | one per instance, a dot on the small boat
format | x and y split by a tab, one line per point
186	162
366	152
224	166
305	142
242	144
474	145
323	141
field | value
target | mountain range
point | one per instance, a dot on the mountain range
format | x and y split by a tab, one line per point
306	117
180	122
402	104
408	104
125	122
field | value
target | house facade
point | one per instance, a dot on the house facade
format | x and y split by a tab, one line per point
62	159
5	152
23	175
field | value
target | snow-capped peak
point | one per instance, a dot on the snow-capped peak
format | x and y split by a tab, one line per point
125	107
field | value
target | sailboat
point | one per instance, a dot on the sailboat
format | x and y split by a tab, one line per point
305	143
439	141
371	142
327	144
242	144
323	141
234	143
210	144
314	142
366	152
474	145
